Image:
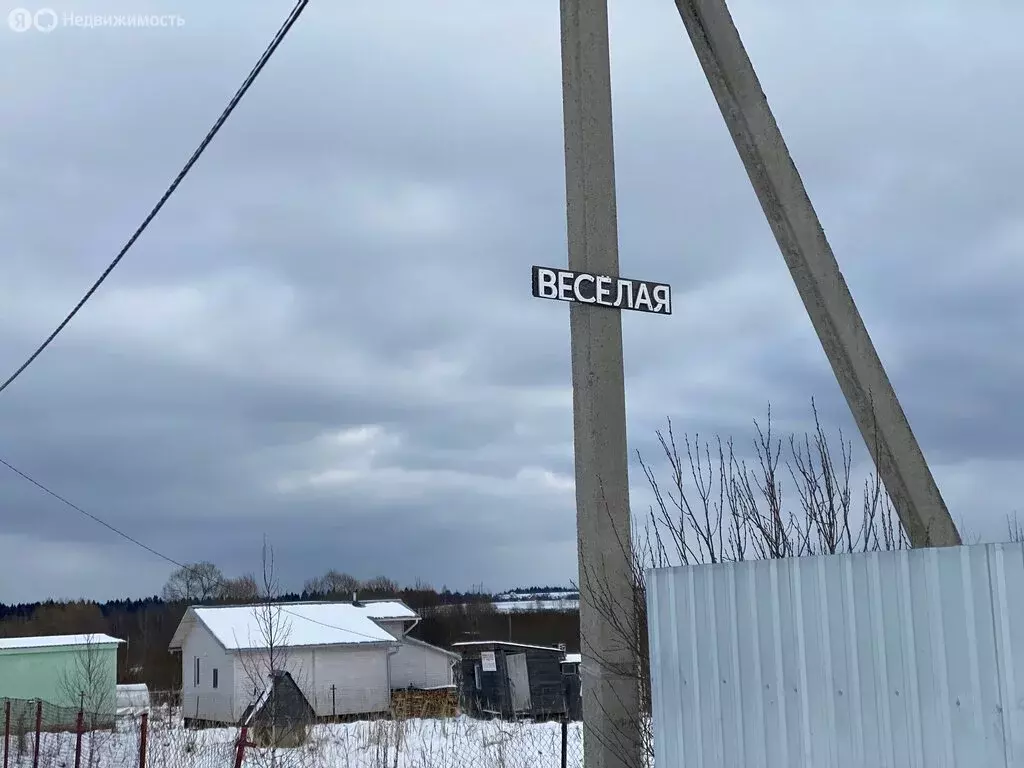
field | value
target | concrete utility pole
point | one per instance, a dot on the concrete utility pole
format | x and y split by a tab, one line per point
857	367
611	696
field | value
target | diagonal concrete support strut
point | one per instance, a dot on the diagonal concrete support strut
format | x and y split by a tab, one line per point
839	326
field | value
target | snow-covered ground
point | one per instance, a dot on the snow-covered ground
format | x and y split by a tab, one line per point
564	594
453	743
523	602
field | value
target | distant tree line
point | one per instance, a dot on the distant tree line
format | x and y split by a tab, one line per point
147	625
204	582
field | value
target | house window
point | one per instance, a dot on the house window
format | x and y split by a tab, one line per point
195	675
214	678
476	674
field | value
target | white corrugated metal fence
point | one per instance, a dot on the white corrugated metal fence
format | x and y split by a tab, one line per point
896	659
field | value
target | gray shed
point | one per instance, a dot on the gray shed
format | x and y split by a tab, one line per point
511	680
132	699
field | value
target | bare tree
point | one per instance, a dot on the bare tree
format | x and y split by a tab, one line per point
381	585
263	663
194	582
1014	530
332	583
89	682
719	508
794	497
244	589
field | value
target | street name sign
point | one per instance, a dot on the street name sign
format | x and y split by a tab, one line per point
602	290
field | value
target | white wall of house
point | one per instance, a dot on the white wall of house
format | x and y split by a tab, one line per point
396	628
359	677
204	701
420	666
252	672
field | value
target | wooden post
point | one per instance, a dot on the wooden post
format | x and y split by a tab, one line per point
243	740
143	730
565	722
7	730
39	729
79	729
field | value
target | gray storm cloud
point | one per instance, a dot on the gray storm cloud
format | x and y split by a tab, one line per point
328	335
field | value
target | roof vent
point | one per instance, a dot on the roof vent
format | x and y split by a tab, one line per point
355	601
561	647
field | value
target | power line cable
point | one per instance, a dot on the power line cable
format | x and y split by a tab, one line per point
300	6
152	551
282	32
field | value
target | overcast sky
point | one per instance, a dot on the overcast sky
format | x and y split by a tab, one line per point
328	335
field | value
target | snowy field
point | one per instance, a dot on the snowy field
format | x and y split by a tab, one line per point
561	594
419	743
518	602
564	605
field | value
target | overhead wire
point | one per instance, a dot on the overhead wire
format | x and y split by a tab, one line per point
167	558
275	42
289	22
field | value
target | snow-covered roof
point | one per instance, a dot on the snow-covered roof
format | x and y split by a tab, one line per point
448	687
244	627
55	641
480	643
132	688
258	704
573	658
132	697
385	609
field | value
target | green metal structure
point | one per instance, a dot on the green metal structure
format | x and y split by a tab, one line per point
66	671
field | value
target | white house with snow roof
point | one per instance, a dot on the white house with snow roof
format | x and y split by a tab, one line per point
346	657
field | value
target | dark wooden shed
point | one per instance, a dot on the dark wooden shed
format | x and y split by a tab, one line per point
511	680
281	714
